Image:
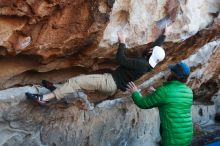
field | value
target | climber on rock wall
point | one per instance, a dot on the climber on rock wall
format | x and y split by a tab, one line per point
130	69
174	101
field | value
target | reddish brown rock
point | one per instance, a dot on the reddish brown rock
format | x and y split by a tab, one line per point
43	39
59	39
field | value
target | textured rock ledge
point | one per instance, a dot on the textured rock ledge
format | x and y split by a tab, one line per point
69	38
58	39
112	122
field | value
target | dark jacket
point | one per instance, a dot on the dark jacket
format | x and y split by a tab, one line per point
131	69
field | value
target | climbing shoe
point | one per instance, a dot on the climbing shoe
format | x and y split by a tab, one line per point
48	85
36	98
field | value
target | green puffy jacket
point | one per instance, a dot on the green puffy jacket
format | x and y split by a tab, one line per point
174	100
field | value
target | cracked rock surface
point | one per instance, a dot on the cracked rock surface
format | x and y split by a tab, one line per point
59	39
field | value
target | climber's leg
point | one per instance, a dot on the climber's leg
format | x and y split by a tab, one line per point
98	82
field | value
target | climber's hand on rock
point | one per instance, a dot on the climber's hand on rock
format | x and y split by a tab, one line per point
150	51
121	37
151	89
131	87
167	31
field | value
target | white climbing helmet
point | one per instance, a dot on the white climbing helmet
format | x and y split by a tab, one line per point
157	56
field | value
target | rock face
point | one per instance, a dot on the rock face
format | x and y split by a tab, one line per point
49	126
38	37
58	39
